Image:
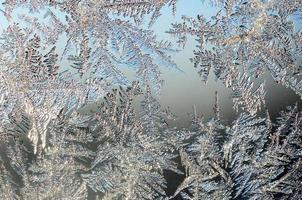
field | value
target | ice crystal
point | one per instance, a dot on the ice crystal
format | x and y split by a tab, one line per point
34	72
108	151
247	39
117	155
73	125
130	158
252	159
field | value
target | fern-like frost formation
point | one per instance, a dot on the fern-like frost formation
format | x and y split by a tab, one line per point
80	115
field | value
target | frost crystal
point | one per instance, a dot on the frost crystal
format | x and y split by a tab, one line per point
249	160
75	125
247	39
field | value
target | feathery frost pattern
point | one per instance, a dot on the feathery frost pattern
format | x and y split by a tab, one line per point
247	39
252	159
74	125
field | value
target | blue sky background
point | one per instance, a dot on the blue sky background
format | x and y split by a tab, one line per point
184	90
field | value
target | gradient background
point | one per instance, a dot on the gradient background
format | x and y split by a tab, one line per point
184	90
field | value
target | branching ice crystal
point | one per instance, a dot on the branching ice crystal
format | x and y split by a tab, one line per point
64	57
34	72
252	159
247	39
